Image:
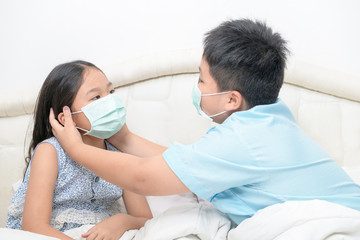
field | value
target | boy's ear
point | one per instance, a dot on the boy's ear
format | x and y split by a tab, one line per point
61	118
236	102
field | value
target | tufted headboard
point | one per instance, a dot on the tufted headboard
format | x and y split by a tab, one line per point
156	90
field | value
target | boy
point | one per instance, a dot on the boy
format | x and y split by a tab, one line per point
257	156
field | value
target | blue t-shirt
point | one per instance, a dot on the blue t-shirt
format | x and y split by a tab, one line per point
257	158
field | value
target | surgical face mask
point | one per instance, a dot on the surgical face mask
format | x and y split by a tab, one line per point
106	116
196	97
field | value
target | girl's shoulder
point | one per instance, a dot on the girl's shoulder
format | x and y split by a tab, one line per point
41	147
62	156
47	150
53	141
56	144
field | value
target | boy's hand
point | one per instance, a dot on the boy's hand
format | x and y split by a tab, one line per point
67	135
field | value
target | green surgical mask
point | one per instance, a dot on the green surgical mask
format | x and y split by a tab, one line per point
106	115
196	97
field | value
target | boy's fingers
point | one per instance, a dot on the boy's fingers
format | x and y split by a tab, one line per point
51	115
67	116
53	122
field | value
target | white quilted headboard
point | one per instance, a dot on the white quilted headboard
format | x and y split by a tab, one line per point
156	90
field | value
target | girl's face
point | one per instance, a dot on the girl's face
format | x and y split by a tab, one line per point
95	86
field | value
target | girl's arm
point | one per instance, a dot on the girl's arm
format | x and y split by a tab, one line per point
39	195
136	205
138	212
131	143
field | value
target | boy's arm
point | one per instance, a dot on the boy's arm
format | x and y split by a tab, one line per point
145	176
131	143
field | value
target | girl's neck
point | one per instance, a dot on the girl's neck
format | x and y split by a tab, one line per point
94	141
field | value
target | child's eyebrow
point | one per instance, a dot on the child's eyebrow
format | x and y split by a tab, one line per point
96	89
93	90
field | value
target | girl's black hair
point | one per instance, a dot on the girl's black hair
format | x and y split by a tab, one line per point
58	90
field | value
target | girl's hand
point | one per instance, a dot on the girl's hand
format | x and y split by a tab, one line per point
112	228
67	135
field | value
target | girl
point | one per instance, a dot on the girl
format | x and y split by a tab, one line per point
58	194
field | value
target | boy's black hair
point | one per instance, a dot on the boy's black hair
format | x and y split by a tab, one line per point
246	56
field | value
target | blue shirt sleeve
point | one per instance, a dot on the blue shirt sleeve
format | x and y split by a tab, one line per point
217	162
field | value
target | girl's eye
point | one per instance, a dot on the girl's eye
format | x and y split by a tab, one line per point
96	97
112	91
200	81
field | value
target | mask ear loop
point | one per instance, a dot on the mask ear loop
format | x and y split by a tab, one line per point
212	94
86	131
211	116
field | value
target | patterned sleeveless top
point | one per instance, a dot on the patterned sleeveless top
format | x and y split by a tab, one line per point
80	197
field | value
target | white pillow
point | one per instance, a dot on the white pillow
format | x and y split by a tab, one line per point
17	184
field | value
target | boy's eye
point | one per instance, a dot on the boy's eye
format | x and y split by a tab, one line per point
112	91
200	81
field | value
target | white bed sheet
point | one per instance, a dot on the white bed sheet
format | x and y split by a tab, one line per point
300	220
305	220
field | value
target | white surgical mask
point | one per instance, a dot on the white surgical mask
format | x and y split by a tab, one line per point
196	97
106	115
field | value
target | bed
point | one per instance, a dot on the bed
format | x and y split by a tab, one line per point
156	90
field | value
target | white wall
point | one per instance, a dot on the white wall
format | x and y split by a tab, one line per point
36	35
